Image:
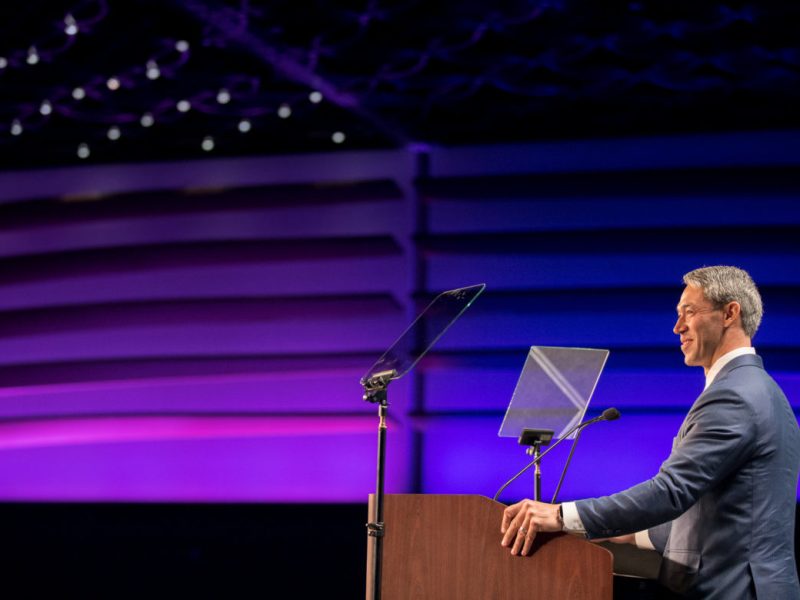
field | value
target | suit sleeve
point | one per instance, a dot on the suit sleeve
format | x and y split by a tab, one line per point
659	535
718	438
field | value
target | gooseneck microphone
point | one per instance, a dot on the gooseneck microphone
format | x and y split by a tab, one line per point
609	414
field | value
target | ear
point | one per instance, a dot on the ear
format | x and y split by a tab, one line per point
731	313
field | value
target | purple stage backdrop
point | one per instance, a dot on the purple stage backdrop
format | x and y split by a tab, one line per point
162	343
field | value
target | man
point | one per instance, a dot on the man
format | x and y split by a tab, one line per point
721	509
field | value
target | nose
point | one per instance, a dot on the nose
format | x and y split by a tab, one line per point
680	326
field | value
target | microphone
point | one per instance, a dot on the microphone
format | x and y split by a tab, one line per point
609	414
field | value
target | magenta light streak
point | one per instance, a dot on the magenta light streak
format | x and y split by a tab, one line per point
92	430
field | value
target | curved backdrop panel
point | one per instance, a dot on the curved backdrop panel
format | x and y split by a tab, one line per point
160	342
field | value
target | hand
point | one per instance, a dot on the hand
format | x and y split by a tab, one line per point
523	520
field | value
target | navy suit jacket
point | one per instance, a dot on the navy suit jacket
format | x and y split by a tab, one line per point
722	507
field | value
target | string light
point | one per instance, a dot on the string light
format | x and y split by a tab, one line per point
223	96
152	72
70	25
284	111
244	89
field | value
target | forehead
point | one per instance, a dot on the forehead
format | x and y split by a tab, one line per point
692	296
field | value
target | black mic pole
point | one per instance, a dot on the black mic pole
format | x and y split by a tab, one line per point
608	415
566	464
375	392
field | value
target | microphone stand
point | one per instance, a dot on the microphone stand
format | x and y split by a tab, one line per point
398	360
375	392
536	438
534	462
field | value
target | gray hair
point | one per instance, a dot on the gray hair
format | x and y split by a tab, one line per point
724	284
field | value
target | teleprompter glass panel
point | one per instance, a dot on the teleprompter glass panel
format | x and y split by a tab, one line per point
553	390
424	332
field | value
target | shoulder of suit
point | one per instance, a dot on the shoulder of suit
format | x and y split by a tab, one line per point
734	381
746	360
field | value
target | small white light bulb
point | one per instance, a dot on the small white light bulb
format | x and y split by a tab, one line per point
338	137
223	96
70	25
315	97
208	143
152	71
113	84
3	62
181	45
83	151
244	126
33	56
16	127
45	107
284	111
114	133
183	106
79	93
147	120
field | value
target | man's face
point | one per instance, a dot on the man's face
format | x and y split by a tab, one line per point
700	326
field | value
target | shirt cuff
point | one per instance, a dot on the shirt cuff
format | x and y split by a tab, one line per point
643	540
572	520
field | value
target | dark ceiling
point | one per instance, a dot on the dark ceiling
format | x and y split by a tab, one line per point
389	74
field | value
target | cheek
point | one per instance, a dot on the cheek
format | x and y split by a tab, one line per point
709	334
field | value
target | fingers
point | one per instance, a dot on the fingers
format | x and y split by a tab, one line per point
509	514
513	518
519	540
511	533
520	533
524	540
531	535
523	520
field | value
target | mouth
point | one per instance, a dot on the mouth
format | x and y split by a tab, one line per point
685	343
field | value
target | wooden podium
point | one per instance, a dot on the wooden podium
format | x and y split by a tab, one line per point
442	546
